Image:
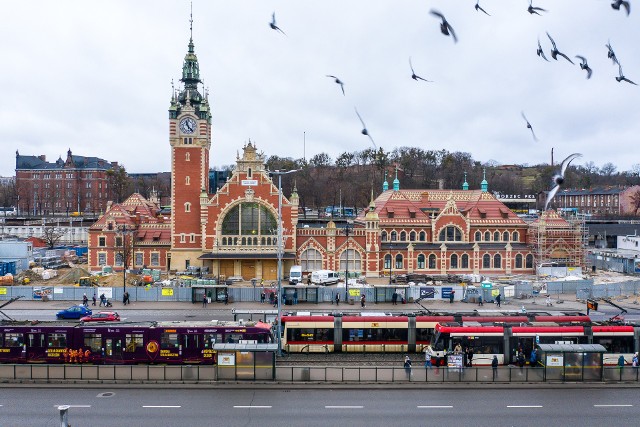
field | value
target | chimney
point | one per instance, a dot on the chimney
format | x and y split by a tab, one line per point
42	157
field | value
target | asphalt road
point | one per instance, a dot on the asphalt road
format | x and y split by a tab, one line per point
107	407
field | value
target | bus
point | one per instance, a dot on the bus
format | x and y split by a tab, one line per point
8	211
339	212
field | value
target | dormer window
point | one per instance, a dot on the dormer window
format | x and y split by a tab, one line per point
110	226
390	213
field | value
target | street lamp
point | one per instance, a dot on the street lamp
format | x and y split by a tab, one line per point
279	174
348	226
125	257
390	263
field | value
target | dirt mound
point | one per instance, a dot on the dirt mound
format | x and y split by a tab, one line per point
73	276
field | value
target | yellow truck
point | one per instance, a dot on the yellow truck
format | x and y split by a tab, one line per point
87	281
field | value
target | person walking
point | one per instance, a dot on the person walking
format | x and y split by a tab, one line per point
94	299
480	299
262	297
362	301
85	300
549	301
470	357
407	366
498	298
634	361
295	297
428	353
533	358
103	300
337	298
127	295
621	362
494	366
205	300
394	298
452	295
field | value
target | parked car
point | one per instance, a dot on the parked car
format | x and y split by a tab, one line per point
103	316
74	312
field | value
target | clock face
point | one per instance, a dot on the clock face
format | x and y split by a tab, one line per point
188	125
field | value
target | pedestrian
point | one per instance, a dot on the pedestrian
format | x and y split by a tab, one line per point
205	300
103	300
275	299
498	298
621	361
480	300
520	359
549	301
465	357
295	297
428	353
362	301
124	298
262	297
94	300
407	366
337	298
494	366
226	298
457	349
634	361
85	300
394	298
127	295
533	358
452	295
470	357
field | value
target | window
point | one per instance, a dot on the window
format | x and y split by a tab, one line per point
155	259
496	236
421	261
412	236
387	262
477	236
487	236
168	340
58	340
403	236
519	261
465	261
497	261
454	261
486	261
505	236
93	342
399	263
35	340
133	342
187	207
394	236
119	259
311	259
432	261
102	259
249	219
119	241
354	260
187	180
529	261
423	236
516	236
192	238
187	156
383	236
450	234
139	258
13	340
102	241
69	176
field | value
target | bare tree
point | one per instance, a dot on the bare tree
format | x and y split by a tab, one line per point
51	235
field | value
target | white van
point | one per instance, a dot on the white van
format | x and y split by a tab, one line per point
295	275
324	277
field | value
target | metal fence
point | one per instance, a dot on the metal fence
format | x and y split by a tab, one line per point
609	290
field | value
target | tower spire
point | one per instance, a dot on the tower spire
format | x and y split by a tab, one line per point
396	182
465	185
484	185
385	184
191	23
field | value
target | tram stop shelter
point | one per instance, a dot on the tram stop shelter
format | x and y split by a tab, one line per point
215	293
571	362
250	362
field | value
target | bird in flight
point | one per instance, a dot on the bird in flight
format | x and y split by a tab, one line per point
558	178
364	129
414	76
531	9
338	81
273	25
540	52
617	3
445	27
529	126
611	54
555	52
584	65
479	8
622	77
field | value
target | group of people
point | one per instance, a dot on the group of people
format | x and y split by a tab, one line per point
103	300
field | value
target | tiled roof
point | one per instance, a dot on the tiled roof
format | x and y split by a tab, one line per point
81	162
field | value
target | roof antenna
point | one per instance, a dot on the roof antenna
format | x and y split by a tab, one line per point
191	22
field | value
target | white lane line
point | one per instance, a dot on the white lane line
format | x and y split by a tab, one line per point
524	406
344	407
435	406
612	406
72	406
252	406
161	406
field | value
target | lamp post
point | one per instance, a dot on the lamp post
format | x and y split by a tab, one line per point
347	228
390	263
279	174
125	258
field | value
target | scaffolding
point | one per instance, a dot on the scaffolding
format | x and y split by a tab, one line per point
555	239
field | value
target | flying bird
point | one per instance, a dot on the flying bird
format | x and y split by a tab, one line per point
531	9
611	54
273	25
338	81
445	27
364	129
414	76
540	52
529	126
622	77
558	178
617	3
555	52
479	8
584	65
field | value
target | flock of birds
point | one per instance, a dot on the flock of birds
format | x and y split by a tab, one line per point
447	30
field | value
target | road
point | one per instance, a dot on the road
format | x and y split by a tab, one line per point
108	407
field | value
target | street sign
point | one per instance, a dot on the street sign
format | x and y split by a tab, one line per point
592	305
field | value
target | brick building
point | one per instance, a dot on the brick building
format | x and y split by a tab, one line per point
599	200
77	184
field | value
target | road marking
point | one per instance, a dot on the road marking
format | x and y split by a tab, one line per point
435	406
611	406
524	406
72	406
344	407
252	406
161	406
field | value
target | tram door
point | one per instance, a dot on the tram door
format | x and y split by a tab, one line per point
35	346
193	346
113	348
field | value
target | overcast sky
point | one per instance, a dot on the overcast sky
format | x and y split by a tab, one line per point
95	77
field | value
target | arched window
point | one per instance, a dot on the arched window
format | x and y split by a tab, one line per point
187	180
487	236
412	236
421	261
423	236
387	262
311	259
497	261
353	258
394	236
486	261
450	234
464	261
496	236
399	263
250	220
432	261
403	236
529	261
187	156
519	261
505	236
516	236
477	236
187	207
454	261
383	236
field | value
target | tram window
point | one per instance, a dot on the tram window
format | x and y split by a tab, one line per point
93	341
310	334
424	334
211	339
191	340
233	338
13	340
377	334
615	344
169	340
57	340
485	345
133	342
35	340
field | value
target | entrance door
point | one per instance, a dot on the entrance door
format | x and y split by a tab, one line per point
226	268
248	269
269	269
113	349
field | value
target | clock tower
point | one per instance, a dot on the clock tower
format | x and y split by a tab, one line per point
190	140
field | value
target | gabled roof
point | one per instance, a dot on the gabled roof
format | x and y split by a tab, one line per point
550	218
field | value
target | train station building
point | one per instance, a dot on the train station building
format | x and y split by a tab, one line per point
234	230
